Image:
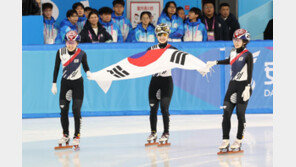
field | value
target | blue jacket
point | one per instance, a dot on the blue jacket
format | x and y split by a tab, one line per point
113	30
139	34
123	23
175	24
49	31
80	23
65	26
195	31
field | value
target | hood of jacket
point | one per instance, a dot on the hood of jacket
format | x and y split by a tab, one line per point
117	17
187	21
51	21
66	22
149	28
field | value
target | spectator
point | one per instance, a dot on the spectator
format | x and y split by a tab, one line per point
169	16
49	31
109	25
70	23
144	32
181	13
268	32
194	29
216	27
122	22
93	31
87	10
79	7
229	18
30	7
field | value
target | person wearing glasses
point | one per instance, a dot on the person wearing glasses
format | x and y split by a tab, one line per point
170	17
216	27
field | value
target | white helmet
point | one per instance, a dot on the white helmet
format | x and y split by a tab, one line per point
162	28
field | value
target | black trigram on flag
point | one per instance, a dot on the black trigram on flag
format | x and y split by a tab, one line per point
179	57
118	72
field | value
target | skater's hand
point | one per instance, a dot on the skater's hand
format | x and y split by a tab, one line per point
54	88
89	75
246	93
210	64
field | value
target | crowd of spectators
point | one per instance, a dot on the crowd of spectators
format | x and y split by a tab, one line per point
111	25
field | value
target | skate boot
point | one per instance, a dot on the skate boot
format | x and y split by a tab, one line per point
236	146
76	140
152	137
63	141
164	140
224	148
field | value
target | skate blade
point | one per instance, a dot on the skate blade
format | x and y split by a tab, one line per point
75	148
229	152
151	144
63	147
163	144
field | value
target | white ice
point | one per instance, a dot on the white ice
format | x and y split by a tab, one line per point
119	141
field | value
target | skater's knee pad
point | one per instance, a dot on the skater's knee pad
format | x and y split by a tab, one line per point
228	108
64	106
153	106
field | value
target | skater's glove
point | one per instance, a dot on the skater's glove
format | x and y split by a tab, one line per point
54	88
89	75
210	64
246	93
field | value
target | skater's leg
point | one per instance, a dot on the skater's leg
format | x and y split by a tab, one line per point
166	96
153	103
77	115
240	112
229	103
64	106
226	123
78	93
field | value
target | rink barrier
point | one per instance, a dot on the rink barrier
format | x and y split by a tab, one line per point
205	98
133	113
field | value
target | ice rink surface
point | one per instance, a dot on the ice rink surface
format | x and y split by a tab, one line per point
119	142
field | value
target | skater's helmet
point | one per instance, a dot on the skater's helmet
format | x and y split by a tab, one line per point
72	36
242	34
162	28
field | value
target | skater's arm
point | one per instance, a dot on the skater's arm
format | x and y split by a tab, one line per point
249	61
226	61
84	63
56	67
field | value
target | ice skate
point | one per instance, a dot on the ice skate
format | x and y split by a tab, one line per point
76	141
164	140
224	148
236	146
63	141
152	137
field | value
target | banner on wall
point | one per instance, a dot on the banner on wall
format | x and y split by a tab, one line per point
138	7
193	94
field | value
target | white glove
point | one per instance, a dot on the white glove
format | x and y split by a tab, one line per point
210	64
89	75
54	88
246	93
